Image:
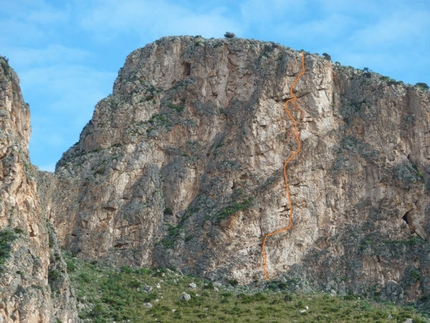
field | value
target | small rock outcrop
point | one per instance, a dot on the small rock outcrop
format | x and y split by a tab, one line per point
185	297
34	286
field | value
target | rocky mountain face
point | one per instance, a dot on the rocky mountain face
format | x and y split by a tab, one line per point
182	167
34	286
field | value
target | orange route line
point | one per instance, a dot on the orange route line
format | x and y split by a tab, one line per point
287	189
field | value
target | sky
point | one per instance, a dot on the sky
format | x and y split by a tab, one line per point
67	53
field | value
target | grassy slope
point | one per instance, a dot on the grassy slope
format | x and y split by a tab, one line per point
110	295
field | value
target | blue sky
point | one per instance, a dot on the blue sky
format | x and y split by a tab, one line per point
67	53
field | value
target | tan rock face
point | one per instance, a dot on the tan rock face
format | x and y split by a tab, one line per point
27	257
182	167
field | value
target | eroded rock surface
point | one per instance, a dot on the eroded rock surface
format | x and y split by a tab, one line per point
182	167
34	285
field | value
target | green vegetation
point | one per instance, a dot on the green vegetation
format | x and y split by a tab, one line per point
366	243
155	122
327	56
169	241
422	86
53	275
174	231
177	108
408	174
122	295
168	211
233	208
158	119
4	63
6	237
150	92
389	80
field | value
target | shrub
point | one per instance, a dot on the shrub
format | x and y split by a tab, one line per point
19	231
6	237
70	266
168	211
177	108
232	209
422	86
53	275
98	311
327	56
233	282
229	35
127	270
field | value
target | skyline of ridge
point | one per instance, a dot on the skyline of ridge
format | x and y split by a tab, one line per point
67	55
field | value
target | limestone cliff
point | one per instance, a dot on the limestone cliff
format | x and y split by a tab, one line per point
182	167
34	286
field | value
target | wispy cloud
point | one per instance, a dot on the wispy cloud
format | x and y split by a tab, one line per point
155	19
29	21
402	27
393	44
51	54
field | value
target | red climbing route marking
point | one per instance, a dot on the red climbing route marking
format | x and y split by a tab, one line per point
287	189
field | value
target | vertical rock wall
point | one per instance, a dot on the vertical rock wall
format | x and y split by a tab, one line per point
182	166
34	286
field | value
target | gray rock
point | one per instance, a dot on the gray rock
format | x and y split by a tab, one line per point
185	297
35	286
